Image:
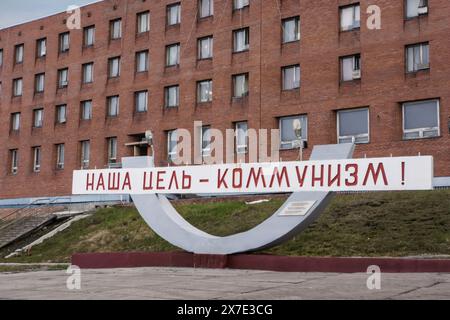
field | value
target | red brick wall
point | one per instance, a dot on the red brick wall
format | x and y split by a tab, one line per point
383	86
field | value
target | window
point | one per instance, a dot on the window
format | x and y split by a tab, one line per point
85	153
60	149
115	29
41	48
18	53
351	68
350	17
17	87
64	42
86	110
206	141
415	8
288	137
421	119
241	40
89	36
173	55
240	4
88	72
172	96
141	101
173	14
36	159
291	29
143	22
15	121
114	67
241	130
38	118
1	57
206	8
142	61
112	150
14	160
353	126
418	57
291	77
172	141
205	48
61	114
39	83
204	91
240	85
63	78
113	106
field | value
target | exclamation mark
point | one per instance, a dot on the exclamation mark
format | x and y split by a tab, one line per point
403	173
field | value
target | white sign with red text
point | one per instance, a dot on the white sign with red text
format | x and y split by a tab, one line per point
372	174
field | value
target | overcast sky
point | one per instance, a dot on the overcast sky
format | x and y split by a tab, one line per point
17	11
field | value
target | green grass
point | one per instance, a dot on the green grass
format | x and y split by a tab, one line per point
368	224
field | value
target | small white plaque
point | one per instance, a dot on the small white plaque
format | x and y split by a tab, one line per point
297	208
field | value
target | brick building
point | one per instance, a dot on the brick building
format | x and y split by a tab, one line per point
83	98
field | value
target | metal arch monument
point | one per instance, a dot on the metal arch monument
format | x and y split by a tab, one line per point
310	196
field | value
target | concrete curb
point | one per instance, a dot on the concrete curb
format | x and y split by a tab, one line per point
258	262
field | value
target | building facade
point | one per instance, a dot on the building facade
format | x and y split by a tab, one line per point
84	97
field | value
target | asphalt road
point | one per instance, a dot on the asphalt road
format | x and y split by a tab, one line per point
169	283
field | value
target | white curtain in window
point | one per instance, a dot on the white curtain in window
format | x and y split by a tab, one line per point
347	69
172	96
206	8
291	31
113	106
42	48
18	87
291	78
174	14
240	40
205	91
144	22
142	61
240	86
205	48
141	101
40	80
173	55
19	54
86	110
172	141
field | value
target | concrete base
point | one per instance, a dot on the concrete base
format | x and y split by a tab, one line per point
257	262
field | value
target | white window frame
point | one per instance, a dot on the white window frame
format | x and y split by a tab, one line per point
209	94
353	138
19	53
209	8
38	118
241	149
210	41
288	145
15	121
61	114
84	105
41	48
356	67
64	42
173	6
89	36
143	25
137	100
296	83
112	150
85	153
37	155
356	23
114	67
60	156
172	153
296	20
240	4
115	29
14	156
421	131
142	58
39	83
18	87
245	32
167	96
422	8
110	106
422	65
63	78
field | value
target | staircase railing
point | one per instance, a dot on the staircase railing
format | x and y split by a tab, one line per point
32	209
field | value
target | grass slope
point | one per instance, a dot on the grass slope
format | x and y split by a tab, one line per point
367	224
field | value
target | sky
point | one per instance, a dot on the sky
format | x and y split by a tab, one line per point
13	12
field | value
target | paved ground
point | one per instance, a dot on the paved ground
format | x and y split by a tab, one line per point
163	283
